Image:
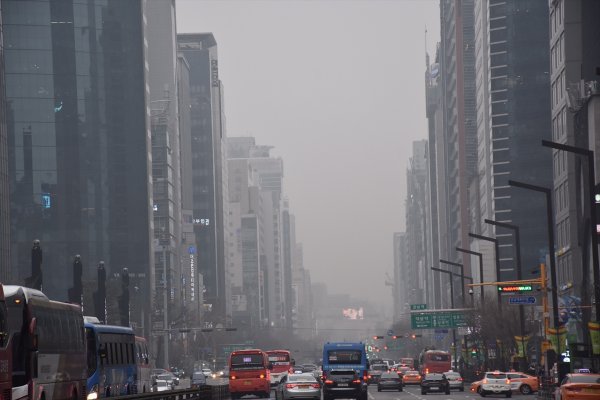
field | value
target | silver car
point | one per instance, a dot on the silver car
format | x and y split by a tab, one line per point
455	380
295	386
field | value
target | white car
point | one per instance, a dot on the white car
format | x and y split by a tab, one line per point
207	372
162	385
495	383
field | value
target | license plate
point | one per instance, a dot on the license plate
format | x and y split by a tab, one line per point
434	387
247	382
303	386
342	384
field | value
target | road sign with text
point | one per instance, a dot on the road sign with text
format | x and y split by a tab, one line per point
518	300
416	307
438	320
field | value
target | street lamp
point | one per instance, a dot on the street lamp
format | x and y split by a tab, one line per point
480	256
515	229
589	155
550	222
462	273
495	241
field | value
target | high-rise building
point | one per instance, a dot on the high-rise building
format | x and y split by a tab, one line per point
79	141
209	169
456	141
4	188
513	117
574	60
401	289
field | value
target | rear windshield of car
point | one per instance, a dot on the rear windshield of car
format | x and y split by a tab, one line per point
161	383
390	375
496	376
452	375
585	379
301	378
412	373
197	375
434	377
379	367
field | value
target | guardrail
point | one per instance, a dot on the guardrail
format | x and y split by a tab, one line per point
212	392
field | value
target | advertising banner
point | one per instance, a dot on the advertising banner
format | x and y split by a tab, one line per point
558	339
595	336
522	345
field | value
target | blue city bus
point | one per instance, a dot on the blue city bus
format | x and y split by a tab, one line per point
111	360
345	355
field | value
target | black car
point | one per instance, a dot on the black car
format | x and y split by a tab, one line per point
345	384
390	381
435	383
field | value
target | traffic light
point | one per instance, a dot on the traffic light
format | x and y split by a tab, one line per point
124	298
377	337
76	291
35	280
474	351
100	295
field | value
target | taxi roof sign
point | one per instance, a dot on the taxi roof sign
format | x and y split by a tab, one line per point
515	288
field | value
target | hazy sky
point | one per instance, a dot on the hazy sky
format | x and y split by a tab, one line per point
337	87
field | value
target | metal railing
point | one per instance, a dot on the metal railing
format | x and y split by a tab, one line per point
213	392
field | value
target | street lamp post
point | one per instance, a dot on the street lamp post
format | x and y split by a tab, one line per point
495	241
589	155
515	229
451	305
480	255
550	221
462	274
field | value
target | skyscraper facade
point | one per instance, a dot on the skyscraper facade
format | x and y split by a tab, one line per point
78	139
208	166
4	179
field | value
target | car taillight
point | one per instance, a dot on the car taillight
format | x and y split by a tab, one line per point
233	377
426	370
329	382
508	381
291	385
460	379
315	386
262	376
485	381
356	381
369	376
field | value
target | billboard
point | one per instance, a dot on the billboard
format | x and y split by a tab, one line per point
353	313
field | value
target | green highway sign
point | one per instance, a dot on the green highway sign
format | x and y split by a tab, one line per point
416	307
438	320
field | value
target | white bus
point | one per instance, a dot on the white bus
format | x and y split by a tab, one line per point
48	347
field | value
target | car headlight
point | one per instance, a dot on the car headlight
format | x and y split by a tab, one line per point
93	394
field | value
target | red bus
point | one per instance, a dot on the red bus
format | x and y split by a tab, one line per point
5	351
434	361
249	373
281	364
143	368
47	342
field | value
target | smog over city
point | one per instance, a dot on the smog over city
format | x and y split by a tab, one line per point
337	88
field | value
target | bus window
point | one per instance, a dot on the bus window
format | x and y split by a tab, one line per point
92	360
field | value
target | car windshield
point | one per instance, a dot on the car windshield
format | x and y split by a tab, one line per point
381	367
301	378
584	379
495	376
390	375
434	377
198	375
452	375
342	372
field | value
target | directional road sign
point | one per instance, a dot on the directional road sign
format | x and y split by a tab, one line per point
442	319
519	300
415	307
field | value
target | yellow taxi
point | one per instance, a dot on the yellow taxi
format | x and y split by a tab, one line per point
412	378
579	387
